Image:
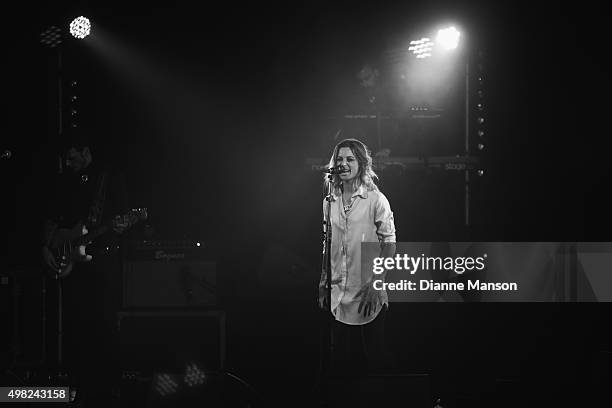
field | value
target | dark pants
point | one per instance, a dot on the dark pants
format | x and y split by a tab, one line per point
360	349
359	353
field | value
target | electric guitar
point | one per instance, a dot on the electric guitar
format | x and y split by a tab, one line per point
68	245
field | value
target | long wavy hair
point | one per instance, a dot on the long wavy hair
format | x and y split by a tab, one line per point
365	175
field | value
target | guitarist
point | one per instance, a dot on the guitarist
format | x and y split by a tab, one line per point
87	194
79	197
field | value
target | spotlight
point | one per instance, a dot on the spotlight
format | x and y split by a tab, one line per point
480	120
481	172
481	146
421	48
481	133
480	106
80	27
448	38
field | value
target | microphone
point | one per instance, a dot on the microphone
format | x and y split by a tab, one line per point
336	170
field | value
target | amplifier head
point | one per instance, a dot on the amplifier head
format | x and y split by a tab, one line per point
176	275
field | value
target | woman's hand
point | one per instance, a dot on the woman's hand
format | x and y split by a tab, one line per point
370	299
323	297
323	292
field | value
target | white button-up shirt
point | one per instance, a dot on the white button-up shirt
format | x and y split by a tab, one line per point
370	219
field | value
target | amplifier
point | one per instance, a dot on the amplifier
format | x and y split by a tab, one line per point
167	274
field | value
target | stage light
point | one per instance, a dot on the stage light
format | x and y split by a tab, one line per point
51	37
421	48
165	385
481	172
480	106
193	375
73	394
448	38
80	27
198	244
481	133
480	120
481	146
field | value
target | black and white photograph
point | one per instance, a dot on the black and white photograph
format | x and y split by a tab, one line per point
306	204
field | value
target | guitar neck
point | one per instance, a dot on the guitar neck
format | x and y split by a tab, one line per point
90	236
129	219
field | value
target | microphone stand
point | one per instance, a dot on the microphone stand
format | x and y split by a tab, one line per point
326	264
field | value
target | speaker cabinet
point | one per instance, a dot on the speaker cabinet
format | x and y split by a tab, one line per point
153	340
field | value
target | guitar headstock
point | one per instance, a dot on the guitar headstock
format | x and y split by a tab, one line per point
130	218
139	213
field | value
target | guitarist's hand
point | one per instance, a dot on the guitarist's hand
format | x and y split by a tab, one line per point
58	270
49	259
120	225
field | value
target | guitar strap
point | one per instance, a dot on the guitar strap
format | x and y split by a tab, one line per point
97	205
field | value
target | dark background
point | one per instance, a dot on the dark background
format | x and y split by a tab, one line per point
211	111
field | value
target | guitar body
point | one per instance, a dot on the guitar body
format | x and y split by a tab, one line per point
69	244
65	252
